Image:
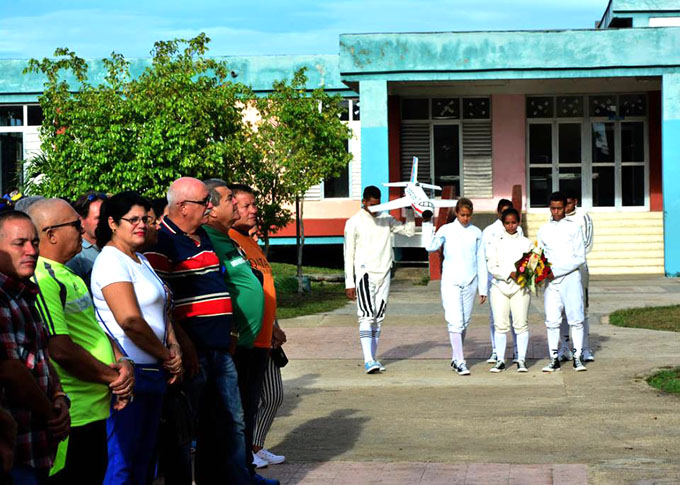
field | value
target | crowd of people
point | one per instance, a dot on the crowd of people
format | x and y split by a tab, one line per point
483	263
136	333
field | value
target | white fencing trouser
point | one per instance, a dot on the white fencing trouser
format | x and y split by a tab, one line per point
457	302
492	327
564	296
371	306
564	327
511	312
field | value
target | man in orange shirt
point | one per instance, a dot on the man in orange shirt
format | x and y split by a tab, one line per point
270	336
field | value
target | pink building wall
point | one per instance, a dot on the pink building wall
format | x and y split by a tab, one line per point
508	133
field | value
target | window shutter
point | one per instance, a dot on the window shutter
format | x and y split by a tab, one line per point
314	193
415	142
477	160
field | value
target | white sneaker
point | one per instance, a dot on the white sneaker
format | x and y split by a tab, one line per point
259	462
493	358
270	457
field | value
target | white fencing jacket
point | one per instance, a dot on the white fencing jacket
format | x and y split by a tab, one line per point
368	243
504	251
492	231
464	257
584	220
563	245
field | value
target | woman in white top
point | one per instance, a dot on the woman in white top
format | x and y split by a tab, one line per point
506	295
463	274
131	304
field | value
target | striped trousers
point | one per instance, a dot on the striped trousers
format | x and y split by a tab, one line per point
271	399
372	296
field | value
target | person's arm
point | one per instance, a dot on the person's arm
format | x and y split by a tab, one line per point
78	362
22	389
8	437
59	425
482	274
408	229
278	335
431	241
174	364
589	234
189	355
571	262
121	299
348	250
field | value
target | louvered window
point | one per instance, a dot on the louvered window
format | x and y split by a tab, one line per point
452	139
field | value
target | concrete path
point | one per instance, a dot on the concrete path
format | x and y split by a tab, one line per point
420	423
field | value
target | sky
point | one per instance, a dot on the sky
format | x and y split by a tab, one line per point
95	28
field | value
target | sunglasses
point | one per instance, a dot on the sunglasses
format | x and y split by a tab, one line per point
77	224
203	202
148	220
96	196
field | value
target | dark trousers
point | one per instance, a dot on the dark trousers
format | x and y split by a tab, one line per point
86	456
250	365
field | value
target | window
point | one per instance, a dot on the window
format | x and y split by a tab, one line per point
11	154
11	115
337	187
592	146
35	115
452	139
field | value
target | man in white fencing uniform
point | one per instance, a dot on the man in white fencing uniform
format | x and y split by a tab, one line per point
490	233
563	244
583	219
368	263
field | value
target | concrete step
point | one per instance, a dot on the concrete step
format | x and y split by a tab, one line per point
624	270
628	262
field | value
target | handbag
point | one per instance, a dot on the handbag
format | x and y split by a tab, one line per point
278	356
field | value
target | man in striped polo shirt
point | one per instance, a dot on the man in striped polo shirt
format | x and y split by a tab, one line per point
185	259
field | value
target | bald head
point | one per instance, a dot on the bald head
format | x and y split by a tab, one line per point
188	203
63	239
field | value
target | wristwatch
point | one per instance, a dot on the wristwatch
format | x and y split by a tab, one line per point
126	359
64	395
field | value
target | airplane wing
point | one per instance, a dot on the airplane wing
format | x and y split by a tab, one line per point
430	186
444	202
396	184
393	204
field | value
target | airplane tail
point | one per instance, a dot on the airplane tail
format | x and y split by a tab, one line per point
414	170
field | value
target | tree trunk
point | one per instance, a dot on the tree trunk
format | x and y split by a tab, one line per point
299	240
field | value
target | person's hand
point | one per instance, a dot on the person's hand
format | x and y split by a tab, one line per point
60	425
278	337
119	403
174	363
482	299
351	293
125	382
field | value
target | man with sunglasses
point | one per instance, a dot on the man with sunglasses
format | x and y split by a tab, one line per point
89	365
185	258
88	207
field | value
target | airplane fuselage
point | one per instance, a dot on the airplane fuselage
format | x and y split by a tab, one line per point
419	201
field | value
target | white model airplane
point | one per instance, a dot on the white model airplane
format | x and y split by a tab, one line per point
414	197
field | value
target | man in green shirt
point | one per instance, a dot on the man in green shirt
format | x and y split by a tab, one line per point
247	297
90	366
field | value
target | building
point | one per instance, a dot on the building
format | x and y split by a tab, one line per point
595	111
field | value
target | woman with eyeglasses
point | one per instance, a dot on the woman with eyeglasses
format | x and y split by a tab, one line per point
131	303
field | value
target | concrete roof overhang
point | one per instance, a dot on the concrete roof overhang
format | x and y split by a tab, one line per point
461	56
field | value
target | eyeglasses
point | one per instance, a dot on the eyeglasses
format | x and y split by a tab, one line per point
96	196
203	202
77	224
148	220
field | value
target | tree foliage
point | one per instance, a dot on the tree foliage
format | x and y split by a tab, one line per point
179	117
182	116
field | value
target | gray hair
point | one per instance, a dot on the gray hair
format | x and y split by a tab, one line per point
213	185
23	204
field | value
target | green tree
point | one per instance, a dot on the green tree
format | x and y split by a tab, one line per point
182	116
301	141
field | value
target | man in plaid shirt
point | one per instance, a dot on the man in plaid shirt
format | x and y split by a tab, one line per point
33	394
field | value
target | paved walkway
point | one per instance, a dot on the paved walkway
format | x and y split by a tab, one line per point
420	423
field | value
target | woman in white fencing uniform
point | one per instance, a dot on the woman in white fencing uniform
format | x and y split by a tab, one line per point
464	272
507	297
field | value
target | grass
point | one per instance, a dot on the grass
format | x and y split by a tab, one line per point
652	318
667	380
322	297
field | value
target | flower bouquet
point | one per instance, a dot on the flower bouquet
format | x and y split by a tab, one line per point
532	269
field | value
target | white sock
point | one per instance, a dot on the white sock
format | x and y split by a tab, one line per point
456	346
553	341
522	340
501	344
366	337
577	338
